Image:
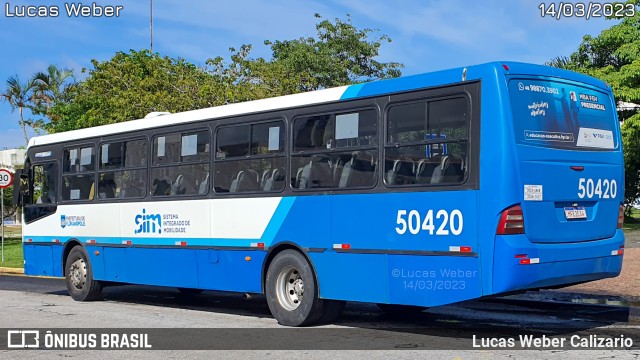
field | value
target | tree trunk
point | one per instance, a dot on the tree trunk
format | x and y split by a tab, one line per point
24	128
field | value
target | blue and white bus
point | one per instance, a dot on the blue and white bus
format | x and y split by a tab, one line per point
409	193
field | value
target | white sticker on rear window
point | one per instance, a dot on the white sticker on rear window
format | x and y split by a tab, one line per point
595	138
533	193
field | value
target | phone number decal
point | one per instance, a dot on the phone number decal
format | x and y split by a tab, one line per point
586	10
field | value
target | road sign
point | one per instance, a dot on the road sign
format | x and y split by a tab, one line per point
6	178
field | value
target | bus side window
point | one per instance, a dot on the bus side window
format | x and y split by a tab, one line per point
79	165
427	142
248	156
122	172
180	163
45	183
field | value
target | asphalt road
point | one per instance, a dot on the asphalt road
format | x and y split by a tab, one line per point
43	303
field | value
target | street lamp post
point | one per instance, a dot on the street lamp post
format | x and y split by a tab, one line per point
151	25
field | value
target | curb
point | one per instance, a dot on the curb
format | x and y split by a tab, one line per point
7	270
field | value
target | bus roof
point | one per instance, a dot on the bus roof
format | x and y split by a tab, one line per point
350	92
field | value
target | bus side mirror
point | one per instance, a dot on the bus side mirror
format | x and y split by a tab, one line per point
17	190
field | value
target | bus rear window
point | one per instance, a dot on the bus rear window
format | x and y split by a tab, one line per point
562	115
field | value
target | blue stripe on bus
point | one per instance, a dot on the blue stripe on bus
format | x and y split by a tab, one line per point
286	203
351	92
151	241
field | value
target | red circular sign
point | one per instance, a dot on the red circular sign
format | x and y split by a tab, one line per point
6	178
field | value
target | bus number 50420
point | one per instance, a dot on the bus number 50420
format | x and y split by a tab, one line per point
601	189
446	222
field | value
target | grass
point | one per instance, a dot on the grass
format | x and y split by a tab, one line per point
632	223
13	257
13	253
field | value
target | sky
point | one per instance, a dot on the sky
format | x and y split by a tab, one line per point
427	35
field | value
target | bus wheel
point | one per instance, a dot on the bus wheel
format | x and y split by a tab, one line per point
291	290
79	277
401	309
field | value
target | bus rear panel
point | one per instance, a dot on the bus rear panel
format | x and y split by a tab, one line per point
568	164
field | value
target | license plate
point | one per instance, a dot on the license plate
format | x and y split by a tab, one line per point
575	212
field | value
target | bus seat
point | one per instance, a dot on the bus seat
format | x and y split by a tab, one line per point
305	175
345	175
338	169
320	171
392	174
439	171
365	169
424	171
246	180
317	173
359	171
455	171
204	185
265	176
249	181
277	175
235	182
402	171
178	187
300	183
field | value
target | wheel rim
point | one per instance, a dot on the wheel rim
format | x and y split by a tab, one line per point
78	273
290	288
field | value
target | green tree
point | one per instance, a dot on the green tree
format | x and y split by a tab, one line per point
340	54
19	96
129	86
49	88
614	57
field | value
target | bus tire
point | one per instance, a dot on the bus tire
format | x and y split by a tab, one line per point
396	309
292	290
79	276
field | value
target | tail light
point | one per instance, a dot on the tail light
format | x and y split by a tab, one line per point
511	221
620	217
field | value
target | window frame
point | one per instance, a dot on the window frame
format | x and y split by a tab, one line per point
93	172
145	168
334	110
201	127
432	95
250	123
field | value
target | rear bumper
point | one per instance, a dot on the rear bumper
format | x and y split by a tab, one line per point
553	264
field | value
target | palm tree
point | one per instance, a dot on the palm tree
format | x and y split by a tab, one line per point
18	95
561	62
50	86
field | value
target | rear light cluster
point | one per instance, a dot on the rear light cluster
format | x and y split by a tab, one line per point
621	217
511	221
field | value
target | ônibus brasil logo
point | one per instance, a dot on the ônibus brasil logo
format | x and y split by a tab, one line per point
148	223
